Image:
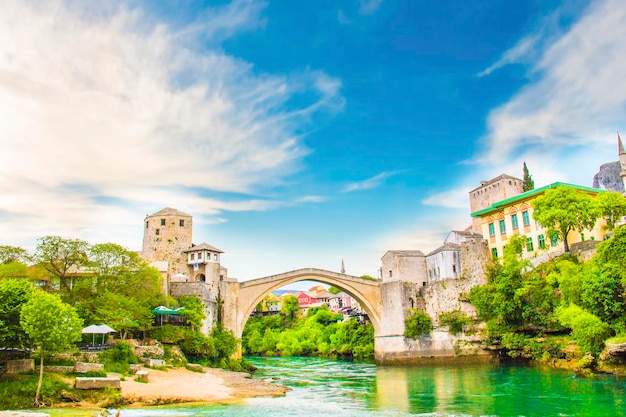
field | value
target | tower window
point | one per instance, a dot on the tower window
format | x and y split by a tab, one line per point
181	223
146	225
156	232
162	222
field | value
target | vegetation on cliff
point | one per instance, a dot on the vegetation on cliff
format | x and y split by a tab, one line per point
537	312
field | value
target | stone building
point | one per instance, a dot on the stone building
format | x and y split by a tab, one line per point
492	191
168	245
404	265
514	215
167	233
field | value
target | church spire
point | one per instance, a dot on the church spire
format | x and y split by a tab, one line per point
620	145
343	268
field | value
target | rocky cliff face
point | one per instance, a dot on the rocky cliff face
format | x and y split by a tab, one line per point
608	177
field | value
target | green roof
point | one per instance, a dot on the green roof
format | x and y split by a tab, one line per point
527	194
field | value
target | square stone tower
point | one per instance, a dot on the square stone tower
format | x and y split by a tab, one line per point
490	192
167	234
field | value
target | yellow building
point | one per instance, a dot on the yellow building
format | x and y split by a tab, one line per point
514	215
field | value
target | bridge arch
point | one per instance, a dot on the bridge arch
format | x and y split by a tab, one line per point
250	293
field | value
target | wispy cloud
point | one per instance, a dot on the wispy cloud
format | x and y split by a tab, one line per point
578	94
455	198
369	6
369	183
130	110
513	55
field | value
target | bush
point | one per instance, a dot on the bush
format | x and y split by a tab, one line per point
455	320
417	323
118	358
169	334
588	330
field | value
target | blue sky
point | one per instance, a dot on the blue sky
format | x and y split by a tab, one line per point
296	134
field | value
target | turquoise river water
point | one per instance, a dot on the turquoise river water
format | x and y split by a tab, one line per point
331	388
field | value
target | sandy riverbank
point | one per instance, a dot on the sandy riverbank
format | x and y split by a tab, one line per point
182	385
176	386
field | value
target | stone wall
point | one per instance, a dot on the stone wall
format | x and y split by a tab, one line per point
206	295
452	294
397	298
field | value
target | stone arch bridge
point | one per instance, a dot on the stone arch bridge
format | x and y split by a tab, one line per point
241	298
384	302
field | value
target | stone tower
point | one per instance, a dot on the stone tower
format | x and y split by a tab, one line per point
166	234
489	192
622	159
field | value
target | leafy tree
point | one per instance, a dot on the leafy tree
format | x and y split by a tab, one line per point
62	258
9	254
611	206
290	306
121	312
225	342
333	290
194	310
52	326
563	209
14	270
528	183
417	324
13	295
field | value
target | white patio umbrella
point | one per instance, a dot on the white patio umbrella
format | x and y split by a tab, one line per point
97	329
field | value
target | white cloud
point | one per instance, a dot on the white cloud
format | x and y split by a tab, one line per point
563	122
369	6
454	198
369	183
513	55
105	107
578	97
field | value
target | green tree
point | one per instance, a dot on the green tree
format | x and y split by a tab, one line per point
528	183
611	206
563	209
333	290
52	326
13	295
121	312
289	306
62	258
10	254
194	310
15	270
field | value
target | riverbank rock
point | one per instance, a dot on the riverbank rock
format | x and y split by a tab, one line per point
141	376
84	367
614	352
97	383
18	366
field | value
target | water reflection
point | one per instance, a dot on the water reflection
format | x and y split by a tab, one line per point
330	388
